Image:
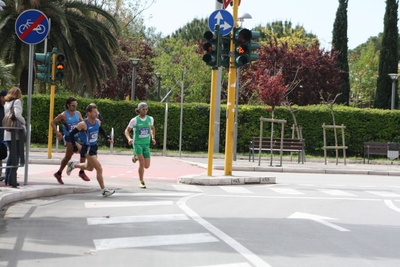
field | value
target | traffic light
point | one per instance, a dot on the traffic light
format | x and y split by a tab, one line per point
60	67
43	71
244	46
226	47
254	45
211	48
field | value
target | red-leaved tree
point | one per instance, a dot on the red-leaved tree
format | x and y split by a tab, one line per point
271	89
306	71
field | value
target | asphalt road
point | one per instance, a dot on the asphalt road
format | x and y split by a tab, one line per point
303	220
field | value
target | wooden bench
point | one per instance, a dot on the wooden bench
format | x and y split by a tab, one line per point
288	145
375	148
379	148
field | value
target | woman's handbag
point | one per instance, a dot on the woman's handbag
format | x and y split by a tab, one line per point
9	118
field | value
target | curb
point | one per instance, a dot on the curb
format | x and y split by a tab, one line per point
223	180
10	195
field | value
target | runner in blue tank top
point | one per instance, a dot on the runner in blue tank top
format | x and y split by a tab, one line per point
70	119
90	129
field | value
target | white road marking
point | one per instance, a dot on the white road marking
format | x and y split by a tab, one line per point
335	192
150	241
254	259
190	188
239	264
390	204
317	218
236	189
136	219
383	193
90	205
177	194
286	191
298	197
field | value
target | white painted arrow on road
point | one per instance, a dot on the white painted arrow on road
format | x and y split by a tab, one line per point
317	218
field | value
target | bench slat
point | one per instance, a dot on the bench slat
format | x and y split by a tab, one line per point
288	145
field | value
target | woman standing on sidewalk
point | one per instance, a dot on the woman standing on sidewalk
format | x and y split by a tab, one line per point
13	100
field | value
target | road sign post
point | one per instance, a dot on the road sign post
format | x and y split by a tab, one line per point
31	27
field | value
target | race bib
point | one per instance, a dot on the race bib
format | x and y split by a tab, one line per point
93	137
144	132
72	126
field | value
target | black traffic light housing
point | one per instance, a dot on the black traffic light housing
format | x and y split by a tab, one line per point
226	48
213	47
43	70
244	46
60	66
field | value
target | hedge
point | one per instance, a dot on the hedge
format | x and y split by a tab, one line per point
361	124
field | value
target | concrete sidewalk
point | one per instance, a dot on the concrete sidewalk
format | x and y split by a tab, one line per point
244	172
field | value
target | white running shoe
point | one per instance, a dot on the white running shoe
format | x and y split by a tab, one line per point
71	166
107	193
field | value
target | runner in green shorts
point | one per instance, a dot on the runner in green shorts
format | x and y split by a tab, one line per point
144	133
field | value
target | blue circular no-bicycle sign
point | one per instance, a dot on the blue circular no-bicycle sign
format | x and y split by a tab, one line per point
32	26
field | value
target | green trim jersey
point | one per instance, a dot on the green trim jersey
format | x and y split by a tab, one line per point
141	129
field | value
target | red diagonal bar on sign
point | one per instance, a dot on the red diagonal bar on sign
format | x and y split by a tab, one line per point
32	27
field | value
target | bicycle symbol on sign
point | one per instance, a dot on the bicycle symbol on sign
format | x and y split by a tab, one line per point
40	29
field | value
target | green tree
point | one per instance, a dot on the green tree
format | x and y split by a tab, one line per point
388	58
363	74
85	33
119	87
375	40
339	43
192	31
173	56
284	32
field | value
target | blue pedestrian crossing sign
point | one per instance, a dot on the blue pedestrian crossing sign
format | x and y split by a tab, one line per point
222	18
32	26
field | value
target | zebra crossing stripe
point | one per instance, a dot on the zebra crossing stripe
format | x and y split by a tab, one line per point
91	205
155	240
286	191
336	192
190	188
236	190
239	264
177	194
136	219
384	193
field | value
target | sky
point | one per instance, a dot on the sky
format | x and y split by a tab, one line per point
365	17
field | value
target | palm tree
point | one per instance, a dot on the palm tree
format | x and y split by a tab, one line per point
5	74
83	32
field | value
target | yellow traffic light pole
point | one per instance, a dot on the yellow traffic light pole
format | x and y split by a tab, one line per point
51	113
231	105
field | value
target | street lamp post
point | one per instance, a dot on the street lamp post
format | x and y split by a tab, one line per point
394	77
158	75
135	62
